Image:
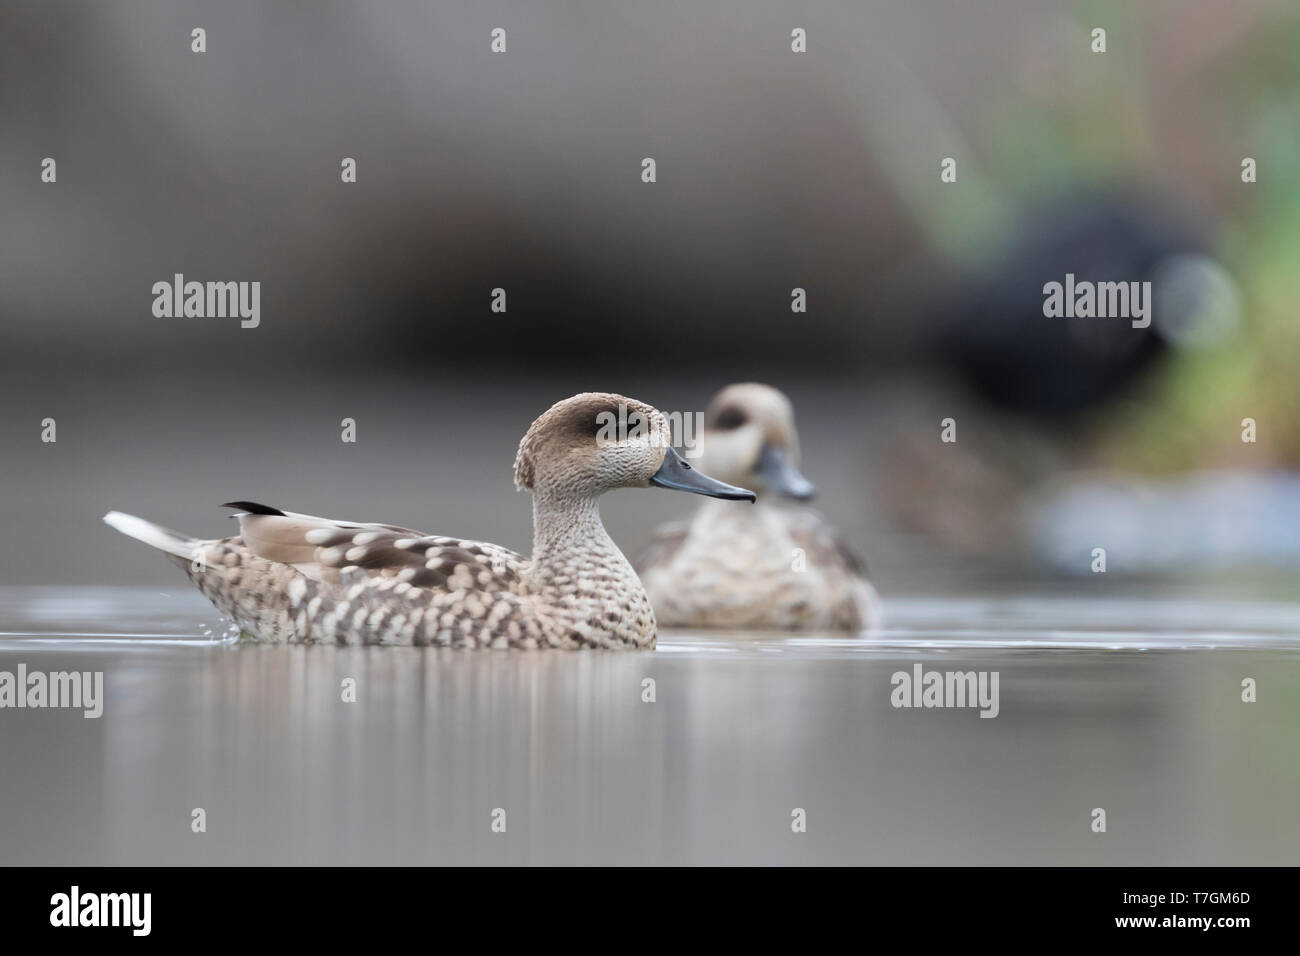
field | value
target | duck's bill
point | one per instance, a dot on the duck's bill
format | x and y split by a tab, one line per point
780	476
677	474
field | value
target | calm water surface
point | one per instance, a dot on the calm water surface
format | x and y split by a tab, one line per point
1129	705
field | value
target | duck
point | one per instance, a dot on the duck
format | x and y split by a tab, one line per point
289	577
769	567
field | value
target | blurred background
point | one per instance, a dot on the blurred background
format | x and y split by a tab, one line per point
775	170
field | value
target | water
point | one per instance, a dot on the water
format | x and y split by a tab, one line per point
1126	704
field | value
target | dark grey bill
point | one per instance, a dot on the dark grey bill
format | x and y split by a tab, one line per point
676	474
780	476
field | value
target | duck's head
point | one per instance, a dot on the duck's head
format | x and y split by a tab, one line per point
596	441
749	439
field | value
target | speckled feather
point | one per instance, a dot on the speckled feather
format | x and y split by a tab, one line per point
377	587
295	577
737	567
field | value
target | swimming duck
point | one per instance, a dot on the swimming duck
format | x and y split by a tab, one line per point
296	577
767	567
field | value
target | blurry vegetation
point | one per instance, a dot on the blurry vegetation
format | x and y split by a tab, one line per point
1191	409
1173	113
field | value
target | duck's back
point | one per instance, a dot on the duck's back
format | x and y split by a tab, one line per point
290	577
769	568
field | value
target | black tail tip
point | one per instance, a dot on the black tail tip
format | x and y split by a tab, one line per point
253	508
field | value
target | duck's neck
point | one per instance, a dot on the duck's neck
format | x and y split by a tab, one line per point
566	529
587	584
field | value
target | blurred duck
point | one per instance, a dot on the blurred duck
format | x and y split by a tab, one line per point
295	577
766	567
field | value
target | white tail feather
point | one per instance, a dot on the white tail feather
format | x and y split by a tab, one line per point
154	535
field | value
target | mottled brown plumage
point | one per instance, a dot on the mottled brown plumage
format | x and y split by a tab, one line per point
294	577
772	566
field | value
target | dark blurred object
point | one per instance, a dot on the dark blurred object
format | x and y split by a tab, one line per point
1016	357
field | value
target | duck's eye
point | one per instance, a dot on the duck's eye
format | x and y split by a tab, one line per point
615	426
729	418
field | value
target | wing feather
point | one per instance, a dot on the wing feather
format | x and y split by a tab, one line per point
321	547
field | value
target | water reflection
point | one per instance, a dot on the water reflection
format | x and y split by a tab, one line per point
742	730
